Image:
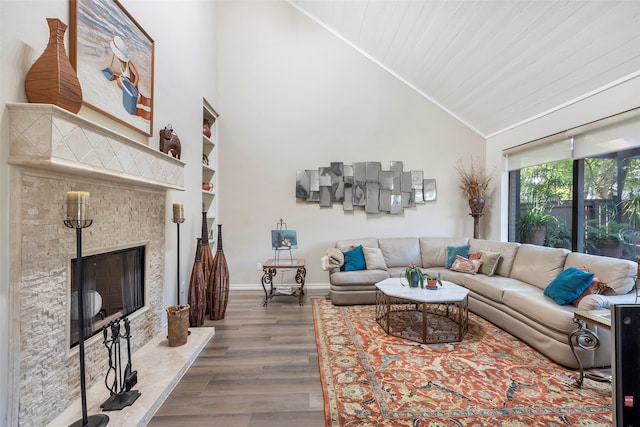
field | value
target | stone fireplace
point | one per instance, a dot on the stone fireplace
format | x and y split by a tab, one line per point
53	151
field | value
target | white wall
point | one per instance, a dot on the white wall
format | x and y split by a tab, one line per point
294	97
617	99
185	71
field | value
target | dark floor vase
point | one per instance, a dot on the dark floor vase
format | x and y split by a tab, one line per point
207	263
220	294
197	290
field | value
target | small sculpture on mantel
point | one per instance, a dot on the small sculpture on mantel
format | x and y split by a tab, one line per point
169	142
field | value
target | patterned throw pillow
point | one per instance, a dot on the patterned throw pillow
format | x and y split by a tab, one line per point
475	255
596	287
593	288
464	265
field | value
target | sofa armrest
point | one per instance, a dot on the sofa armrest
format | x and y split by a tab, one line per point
604	302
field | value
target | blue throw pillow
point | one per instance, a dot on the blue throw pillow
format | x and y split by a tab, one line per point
568	286
453	251
354	259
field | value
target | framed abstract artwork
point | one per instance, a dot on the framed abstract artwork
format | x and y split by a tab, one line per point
113	57
365	185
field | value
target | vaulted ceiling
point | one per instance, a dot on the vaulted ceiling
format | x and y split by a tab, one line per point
493	64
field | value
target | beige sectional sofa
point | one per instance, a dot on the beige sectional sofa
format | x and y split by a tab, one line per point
512	298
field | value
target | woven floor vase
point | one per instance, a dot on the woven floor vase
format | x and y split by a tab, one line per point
52	79
207	263
197	290
220	295
178	321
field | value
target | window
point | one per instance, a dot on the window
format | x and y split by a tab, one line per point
589	205
579	189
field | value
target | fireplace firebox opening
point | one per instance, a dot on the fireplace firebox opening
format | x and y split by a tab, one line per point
113	288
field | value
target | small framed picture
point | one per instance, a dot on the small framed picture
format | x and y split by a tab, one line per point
284	239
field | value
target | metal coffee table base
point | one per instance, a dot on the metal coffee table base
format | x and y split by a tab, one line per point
423	322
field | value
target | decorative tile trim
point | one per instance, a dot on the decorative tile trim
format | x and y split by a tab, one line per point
45	136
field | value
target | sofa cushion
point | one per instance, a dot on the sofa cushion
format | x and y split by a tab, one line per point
489	262
617	273
363	278
568	285
354	259
508	250
373	258
345	245
538	265
541	309
494	287
400	252
433	250
454	251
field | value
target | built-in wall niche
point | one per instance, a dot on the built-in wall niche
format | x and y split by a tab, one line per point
113	288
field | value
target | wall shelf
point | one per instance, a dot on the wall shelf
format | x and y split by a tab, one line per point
209	163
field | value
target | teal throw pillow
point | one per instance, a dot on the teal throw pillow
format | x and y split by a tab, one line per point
568	285
354	259
454	251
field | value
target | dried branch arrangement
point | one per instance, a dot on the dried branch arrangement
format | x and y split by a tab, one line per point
474	182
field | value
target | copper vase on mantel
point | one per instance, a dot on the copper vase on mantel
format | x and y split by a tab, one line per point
52	79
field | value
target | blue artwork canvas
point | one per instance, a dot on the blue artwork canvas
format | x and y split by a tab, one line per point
284	239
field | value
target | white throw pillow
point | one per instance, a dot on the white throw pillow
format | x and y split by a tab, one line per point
374	259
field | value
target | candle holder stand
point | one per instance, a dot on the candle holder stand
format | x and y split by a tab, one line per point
178	221
98	420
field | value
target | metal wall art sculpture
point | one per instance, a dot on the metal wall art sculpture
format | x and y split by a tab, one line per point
365	184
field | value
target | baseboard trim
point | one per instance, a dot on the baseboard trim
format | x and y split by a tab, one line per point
258	286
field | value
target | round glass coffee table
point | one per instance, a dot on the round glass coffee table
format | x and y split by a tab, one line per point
422	315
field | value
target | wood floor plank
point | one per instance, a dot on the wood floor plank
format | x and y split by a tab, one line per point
260	369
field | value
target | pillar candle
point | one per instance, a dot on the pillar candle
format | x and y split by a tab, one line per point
178	211
78	205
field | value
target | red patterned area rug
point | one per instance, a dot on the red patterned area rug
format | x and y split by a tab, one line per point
370	378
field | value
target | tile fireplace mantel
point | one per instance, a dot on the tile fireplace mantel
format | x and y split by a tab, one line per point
47	137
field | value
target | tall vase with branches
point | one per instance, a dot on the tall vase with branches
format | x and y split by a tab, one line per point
474	183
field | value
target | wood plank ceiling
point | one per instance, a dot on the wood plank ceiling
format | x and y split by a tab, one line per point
492	63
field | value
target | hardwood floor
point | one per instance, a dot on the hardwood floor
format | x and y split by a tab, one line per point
260	369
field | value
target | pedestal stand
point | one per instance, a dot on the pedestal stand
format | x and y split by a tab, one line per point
93	420
476	204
